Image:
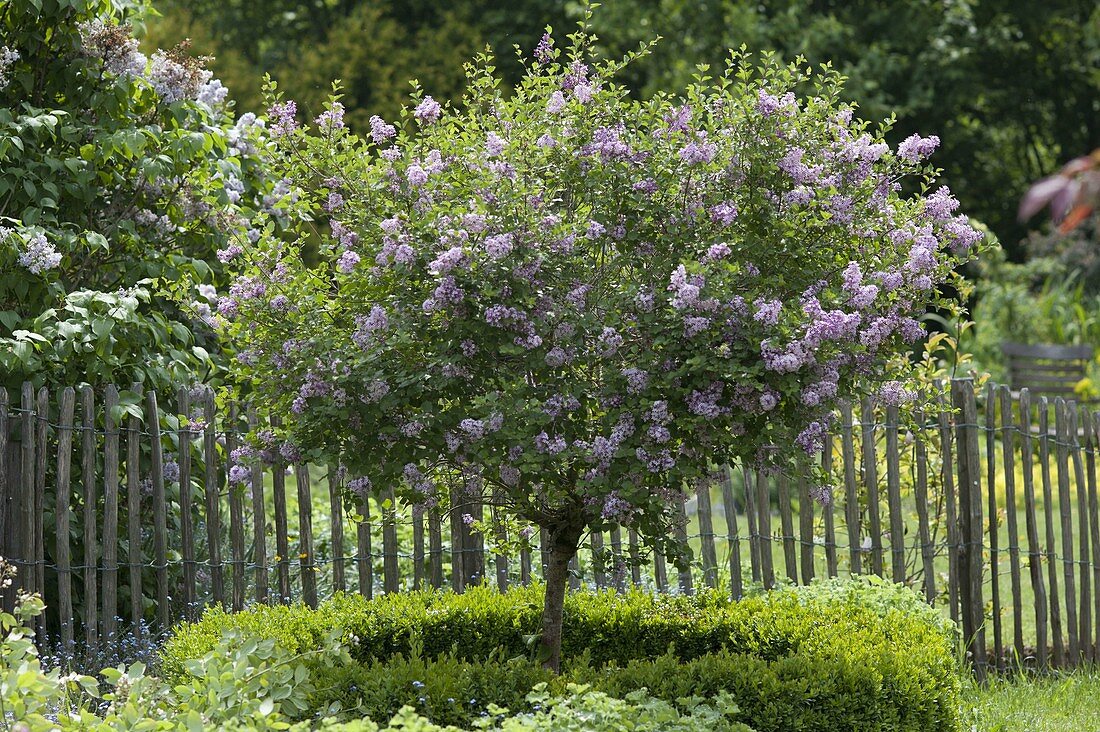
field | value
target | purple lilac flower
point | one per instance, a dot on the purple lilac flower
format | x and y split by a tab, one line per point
239	474
360	486
720	250
610	341
509	475
282	119
647	186
427	111
685	289
39	255
170	471
499	246
380	131
723	213
636	380
449	260
331	119
347	261
616	509
416	175
695	325
915	147
767	104
584	91
556	103
544	52
474	429
494	144
895	393
767	311
812	438
698	151
940	205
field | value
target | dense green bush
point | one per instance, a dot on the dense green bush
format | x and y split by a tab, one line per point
833	656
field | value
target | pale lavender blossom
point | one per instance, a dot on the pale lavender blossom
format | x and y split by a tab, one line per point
282	117
427	111
380	130
38	255
347	261
915	148
332	118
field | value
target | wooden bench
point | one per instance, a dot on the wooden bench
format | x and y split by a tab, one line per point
1045	369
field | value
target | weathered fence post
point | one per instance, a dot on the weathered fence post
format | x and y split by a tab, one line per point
970	521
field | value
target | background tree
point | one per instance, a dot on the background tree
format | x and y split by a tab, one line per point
1012	88
575	306
122	174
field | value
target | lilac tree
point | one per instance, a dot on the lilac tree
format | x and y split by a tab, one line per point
576	305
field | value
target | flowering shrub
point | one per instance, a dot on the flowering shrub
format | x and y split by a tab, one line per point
576	305
122	176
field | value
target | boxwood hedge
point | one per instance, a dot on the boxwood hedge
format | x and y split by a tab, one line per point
857	655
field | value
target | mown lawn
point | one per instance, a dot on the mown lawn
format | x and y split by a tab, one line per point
1058	703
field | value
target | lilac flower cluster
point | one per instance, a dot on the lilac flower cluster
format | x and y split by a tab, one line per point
38	255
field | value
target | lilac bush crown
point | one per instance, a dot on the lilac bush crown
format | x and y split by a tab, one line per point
585	302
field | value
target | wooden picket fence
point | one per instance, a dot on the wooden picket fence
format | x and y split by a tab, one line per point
116	543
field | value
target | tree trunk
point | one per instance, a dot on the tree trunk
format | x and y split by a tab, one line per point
563	546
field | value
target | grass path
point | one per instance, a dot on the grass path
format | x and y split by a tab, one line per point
1060	703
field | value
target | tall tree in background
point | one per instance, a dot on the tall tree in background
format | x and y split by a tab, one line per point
1011	86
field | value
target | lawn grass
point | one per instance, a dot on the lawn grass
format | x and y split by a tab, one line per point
1056	703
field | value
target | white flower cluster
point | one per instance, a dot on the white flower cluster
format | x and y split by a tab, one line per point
113	44
8	56
38	254
173	75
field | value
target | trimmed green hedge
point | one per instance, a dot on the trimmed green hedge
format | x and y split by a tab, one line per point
833	656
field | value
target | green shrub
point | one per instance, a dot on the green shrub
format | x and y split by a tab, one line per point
832	656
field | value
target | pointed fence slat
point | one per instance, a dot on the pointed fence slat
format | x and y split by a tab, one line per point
390	576
924	529
970	524
364	559
1008	462
805	526
160	512
110	514
893	496
786	525
133	511
235	489
63	498
435	551
307	562
851	494
1066	510
829	509
870	482
41	456
259	525
733	537
751	518
764	519
336	527
184	437
994	523
1031	520
213	501
706	535
1051	551
28	574
1090	427
1084	633
282	529
947	478
90	552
